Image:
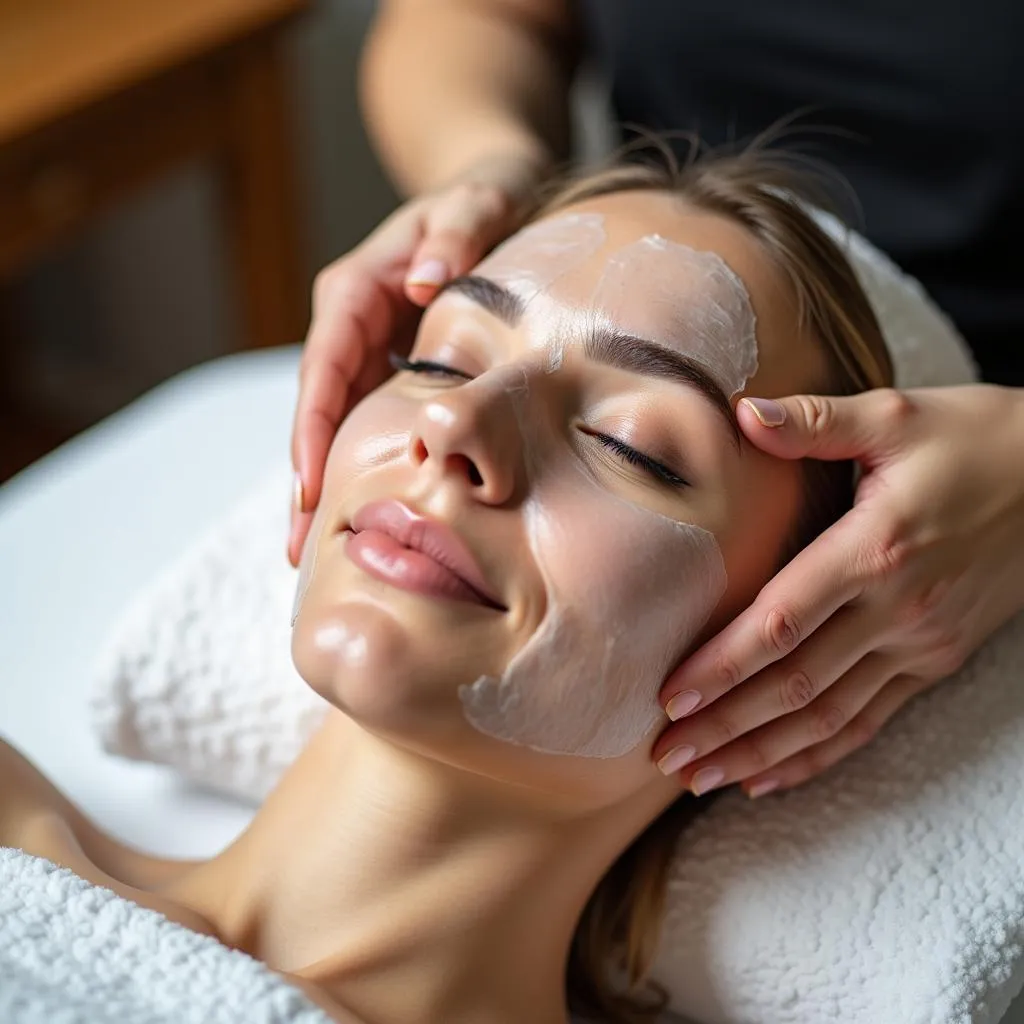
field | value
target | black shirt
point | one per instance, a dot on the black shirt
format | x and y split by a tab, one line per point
934	90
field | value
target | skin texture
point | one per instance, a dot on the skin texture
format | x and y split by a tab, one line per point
408	867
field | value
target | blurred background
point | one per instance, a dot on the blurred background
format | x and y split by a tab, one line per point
172	173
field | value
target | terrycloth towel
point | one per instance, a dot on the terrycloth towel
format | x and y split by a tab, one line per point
74	953
890	891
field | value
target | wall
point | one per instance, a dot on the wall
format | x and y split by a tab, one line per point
146	292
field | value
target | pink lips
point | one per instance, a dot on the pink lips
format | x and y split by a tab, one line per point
394	544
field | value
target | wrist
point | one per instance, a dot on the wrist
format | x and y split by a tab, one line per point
516	164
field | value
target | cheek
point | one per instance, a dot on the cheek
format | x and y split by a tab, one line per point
761	523
375	432
627	590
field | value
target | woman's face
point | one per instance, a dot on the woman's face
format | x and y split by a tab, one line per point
523	531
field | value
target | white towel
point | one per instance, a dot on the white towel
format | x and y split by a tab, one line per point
890	891
74	953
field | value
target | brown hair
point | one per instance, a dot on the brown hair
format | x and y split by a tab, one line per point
763	191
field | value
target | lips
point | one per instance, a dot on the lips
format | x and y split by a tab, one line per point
411	551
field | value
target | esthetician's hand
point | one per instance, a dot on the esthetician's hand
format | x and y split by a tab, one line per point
887	601
369	302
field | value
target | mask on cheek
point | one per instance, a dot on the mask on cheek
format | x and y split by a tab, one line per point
627	591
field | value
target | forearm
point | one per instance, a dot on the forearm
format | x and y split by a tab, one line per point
448	84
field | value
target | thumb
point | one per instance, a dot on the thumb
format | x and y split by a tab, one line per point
865	427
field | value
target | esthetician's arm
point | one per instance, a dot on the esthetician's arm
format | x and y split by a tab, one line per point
886	602
467	102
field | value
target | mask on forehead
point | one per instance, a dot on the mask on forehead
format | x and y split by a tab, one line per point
535	257
686	299
692	301
531	262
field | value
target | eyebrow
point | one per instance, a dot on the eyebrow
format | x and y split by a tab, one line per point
608	346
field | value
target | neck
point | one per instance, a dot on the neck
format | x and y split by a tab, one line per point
407	889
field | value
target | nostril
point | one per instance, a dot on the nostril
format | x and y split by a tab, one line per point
464	464
418	452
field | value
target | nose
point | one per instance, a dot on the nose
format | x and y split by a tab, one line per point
471	433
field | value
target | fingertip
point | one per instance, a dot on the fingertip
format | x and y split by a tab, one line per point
292	550
765	412
670	688
420	294
758	789
428	273
299	530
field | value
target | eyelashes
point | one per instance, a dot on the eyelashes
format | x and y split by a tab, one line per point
661	473
425	366
651	466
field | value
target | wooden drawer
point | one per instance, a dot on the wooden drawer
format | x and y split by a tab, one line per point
57	178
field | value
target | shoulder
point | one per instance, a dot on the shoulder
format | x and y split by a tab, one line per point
39	819
35	816
24	791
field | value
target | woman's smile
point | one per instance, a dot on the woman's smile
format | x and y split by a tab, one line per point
394	544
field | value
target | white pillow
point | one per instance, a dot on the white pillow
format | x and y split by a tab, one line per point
867	895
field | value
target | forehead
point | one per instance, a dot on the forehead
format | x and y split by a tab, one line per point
574	252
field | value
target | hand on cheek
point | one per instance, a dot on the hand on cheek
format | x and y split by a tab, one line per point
888	600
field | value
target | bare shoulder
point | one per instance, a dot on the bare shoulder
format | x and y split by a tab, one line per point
24	791
35	816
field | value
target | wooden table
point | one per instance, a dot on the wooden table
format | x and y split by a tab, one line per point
99	97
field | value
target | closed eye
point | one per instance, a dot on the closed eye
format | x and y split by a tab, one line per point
425	366
661	473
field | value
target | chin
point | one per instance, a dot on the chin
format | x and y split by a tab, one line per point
384	663
394	665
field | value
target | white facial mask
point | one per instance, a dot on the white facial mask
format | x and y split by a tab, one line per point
307	564
586	682
693	302
534	258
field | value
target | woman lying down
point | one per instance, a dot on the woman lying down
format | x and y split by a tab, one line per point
521	533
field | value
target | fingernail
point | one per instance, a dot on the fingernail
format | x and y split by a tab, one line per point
298	494
705	779
762	787
682	704
771	414
429	272
676	758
